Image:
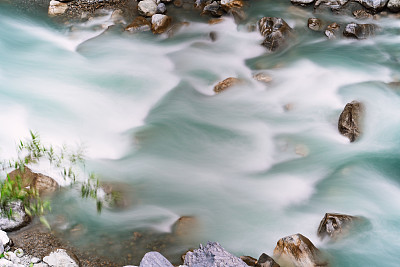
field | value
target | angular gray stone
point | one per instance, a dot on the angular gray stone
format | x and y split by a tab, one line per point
212	255
374	5
161	8
359	31
394	5
275	31
154	259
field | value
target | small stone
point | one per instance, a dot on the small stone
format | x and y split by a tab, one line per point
362	14
4	238
161	8
160	23
147	8
154	259
225	84
359	31
250	261
6	263
349	120
266	261
139	24
19	252
57	8
229	4
373	5
60	258
185	226
332	30
336	225
18	219
394	5
35	260
314	24
302	2
178	3
214	9
262	77
275	31
215	21
299	251
117	17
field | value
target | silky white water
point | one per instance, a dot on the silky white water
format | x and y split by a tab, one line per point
252	164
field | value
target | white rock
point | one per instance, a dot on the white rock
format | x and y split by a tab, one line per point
41	265
394	5
35	260
60	258
57	8
6	263
147	7
4	237
154	259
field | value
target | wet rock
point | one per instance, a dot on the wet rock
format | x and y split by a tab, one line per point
225	84
178	3
147	8
238	14
160	23
332	30
161	8
302	2
314	24
229	4
6	263
331	4
57	8
373	5
215	21
139	24
335	225
362	14
176	28
266	261
154	259
350	120
297	250
250	261
117	17
4	239
42	183
60	258
214	9
359	31
262	77
18	219
213	36
394	5
212	255
184	226
275	30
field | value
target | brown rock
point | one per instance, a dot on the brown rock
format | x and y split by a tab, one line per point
266	261
229	4
185	226
332	30
215	21
298	251
225	84
359	31
275	30
335	225
42	183
362	14
139	24
349	120
314	24
249	260
160	23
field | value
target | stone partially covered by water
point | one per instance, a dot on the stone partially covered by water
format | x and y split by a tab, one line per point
212	255
374	5
147	8
160	23
350	119
359	31
139	24
275	31
154	259
297	250
332	30
225	84
335	225
314	24
266	261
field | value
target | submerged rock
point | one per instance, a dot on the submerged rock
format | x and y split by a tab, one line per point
335	225
332	30
60	258
139	24
275	30
359	31
297	250
160	23
212	255
185	226
262	77
266	261
350	120
225	84
314	24
214	8
250	261
42	183
394	5
154	259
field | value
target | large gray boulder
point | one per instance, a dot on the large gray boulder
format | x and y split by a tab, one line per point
350	120
212	255
154	259
275	31
359	31
336	225
394	5
298	251
373	5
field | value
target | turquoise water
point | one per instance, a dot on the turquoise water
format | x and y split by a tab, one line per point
247	168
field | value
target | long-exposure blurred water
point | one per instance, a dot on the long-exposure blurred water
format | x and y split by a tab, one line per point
250	169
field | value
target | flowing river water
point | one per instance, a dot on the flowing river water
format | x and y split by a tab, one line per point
253	164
